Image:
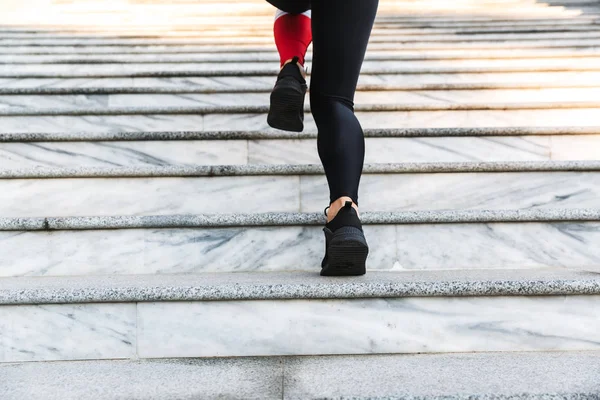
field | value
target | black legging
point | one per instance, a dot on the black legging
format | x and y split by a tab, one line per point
341	30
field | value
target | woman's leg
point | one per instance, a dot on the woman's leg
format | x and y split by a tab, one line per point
341	31
293	34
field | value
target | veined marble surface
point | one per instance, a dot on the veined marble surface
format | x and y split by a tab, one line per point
458	191
67	332
270	56
404	80
78	101
381	119
301	151
124	153
292	193
150	196
245	328
70	68
393	150
415	325
244	39
401	247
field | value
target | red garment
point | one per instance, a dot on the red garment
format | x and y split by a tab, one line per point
293	35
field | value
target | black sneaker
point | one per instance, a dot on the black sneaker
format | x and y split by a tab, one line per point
287	99
346	247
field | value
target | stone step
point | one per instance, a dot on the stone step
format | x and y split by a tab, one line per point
387	100
191	71
218	111
251	39
261	11
267	31
173	244
237	84
79	121
464	44
286	188
232	315
247	24
264	15
477	376
271	134
271	68
268	56
77	154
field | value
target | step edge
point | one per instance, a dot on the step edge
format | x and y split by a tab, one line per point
297	169
9	137
296	285
48	224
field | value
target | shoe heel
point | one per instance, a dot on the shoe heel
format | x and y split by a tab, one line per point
286	111
347	253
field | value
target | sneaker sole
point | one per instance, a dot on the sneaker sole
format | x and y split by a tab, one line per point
287	109
347	253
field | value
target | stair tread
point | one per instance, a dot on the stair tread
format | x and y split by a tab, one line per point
276	134
549	375
42	172
293	219
295	285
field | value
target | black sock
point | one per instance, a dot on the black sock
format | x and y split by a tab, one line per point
347	216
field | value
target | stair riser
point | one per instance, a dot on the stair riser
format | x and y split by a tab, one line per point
378	192
241	328
448	97
369	120
261	249
294	151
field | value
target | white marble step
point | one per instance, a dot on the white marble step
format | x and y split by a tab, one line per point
252	39
411	241
381	24
417	81
267	31
262	12
68	71
272	314
403	187
272	67
23	155
373	97
568	375
270	56
583	43
579	117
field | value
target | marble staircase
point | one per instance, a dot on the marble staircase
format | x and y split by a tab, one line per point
158	240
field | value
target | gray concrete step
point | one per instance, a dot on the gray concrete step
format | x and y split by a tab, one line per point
479	376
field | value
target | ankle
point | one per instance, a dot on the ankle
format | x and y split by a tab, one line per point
300	66
337	205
